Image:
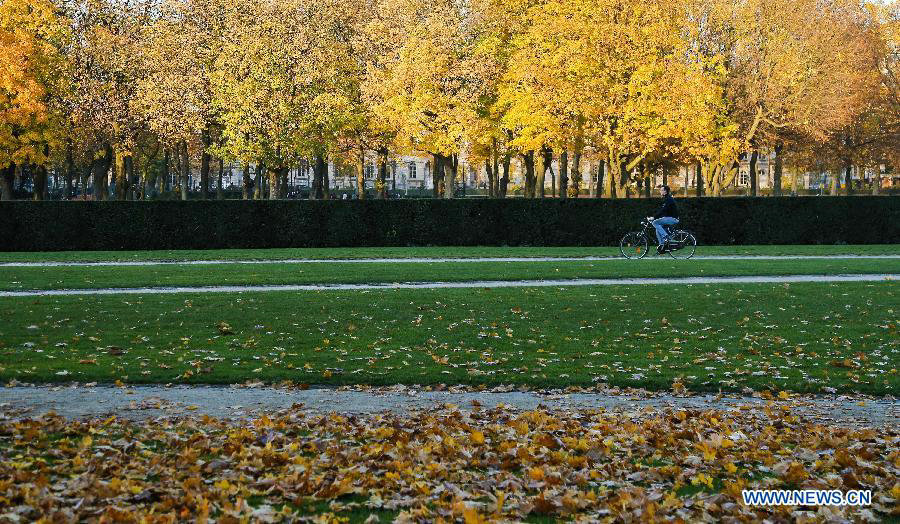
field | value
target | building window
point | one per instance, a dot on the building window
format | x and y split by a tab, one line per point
412	170
370	171
304	169
744	178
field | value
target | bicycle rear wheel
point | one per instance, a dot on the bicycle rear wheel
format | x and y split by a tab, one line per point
682	244
634	245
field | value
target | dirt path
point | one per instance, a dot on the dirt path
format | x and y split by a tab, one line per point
463	285
147	402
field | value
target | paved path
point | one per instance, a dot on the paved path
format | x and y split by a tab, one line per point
424	260
144	402
774	279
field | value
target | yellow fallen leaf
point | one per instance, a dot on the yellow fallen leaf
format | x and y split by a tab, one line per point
702	478
536	474
477	437
471	516
222	484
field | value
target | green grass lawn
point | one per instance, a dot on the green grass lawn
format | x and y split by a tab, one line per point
399	252
72	277
799	337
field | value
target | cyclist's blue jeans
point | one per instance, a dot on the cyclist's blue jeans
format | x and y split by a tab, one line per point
660	232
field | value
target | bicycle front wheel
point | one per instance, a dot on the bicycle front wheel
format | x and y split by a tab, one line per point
682	244
634	245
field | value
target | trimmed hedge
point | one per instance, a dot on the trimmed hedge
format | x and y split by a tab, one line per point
58	226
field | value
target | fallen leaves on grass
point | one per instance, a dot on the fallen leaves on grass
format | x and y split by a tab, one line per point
225	328
440	465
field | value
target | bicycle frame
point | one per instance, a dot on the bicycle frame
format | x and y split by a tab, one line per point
650	230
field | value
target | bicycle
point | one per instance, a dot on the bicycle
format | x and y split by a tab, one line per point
681	244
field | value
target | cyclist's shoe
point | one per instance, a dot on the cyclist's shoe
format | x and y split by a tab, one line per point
663	248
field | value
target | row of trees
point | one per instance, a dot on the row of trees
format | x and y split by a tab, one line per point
139	89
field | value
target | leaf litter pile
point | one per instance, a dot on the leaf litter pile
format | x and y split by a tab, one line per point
444	465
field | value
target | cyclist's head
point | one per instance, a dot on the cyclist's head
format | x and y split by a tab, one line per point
665	190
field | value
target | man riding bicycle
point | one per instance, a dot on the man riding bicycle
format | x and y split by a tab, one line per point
666	216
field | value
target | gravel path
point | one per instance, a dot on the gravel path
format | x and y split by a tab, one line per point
424	260
146	402
465	284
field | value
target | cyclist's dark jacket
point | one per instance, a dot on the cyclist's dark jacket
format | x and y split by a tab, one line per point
668	209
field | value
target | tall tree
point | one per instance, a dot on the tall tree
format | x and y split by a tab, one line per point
417	89
33	73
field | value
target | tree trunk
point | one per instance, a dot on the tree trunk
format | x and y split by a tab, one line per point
100	173
575	175
450	165
753	177
204	164
503	183
552	182
876	183
546	165
794	182
132	183
185	170
246	183
490	177
645	167
601	177
437	179
848	177
258	181
315	182
220	193
315	192
274	182
698	180
361	176
326	182
279	183
528	162
163	182
119	176
496	163
274	179
320	176
39	183
381	184
84	178
779	167
71	172
7	177
609	179
563	174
